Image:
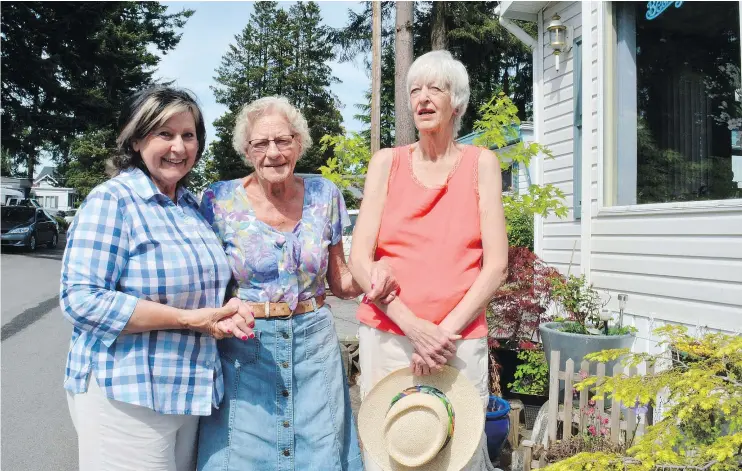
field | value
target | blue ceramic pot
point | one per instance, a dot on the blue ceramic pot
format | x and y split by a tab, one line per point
496	425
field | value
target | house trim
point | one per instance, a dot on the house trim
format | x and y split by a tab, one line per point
51	180
587	138
607	172
602	56
538	116
685	207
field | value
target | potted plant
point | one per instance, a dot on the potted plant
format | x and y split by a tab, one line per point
583	329
531	376
515	313
531	381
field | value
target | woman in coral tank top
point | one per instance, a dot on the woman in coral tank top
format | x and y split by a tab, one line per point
433	211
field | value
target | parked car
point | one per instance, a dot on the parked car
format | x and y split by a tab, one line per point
26	226
29	202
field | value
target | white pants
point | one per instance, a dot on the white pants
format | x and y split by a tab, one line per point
382	352
116	436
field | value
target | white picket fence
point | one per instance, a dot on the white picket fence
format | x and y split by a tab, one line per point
574	417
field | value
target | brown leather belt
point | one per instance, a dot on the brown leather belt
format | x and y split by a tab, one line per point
282	310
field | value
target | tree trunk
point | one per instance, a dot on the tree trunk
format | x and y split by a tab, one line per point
31	166
404	128
439	32
375	77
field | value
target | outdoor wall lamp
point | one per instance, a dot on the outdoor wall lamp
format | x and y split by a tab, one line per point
558	33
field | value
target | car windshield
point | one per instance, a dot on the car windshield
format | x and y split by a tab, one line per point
18	215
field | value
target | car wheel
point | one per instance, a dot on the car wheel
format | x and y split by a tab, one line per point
32	243
53	243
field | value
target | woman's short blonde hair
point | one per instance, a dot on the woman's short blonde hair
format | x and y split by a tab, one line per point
440	67
251	112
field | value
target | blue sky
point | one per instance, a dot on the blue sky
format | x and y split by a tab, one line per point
207	35
206	38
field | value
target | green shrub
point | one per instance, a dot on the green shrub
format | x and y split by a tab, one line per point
63	225
520	229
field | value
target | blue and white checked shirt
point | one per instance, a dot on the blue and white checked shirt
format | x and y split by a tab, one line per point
130	242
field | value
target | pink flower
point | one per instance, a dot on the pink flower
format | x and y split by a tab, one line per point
604	431
605	420
591	402
591	429
583	374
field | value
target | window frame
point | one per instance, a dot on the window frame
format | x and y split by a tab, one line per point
609	191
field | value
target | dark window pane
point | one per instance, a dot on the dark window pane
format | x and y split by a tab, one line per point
507	179
687	65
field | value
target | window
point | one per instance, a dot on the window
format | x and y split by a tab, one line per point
52	202
41	216
679	109
507	179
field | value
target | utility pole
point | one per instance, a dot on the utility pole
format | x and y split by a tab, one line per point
375	76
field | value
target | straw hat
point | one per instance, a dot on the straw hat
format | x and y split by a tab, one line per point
431	423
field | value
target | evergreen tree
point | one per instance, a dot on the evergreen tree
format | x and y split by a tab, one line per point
277	53
494	59
68	66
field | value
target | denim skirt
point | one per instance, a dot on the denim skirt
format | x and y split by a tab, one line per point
286	403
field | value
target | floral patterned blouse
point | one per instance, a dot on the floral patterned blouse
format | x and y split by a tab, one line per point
270	265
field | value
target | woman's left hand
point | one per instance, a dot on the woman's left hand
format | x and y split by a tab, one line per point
384	286
239	325
419	367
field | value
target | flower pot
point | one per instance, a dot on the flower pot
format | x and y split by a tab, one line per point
496	425
576	346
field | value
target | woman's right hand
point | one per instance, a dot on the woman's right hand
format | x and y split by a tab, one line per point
384	286
434	344
234	318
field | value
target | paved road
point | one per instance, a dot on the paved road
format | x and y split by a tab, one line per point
37	433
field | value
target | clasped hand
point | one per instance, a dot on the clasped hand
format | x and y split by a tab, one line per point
434	346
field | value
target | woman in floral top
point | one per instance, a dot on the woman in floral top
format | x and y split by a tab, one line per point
286	404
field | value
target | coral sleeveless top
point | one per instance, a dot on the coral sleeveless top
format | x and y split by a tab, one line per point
431	238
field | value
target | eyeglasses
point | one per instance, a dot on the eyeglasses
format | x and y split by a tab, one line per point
283	143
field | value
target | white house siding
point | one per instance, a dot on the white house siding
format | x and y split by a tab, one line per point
63	196
683	268
559	236
679	265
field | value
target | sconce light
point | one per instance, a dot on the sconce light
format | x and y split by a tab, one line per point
558	33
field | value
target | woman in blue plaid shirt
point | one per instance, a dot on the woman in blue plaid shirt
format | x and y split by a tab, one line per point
143	282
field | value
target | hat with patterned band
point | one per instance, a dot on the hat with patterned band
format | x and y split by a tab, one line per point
431	423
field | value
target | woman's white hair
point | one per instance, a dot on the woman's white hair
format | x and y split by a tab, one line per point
251	112
440	67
